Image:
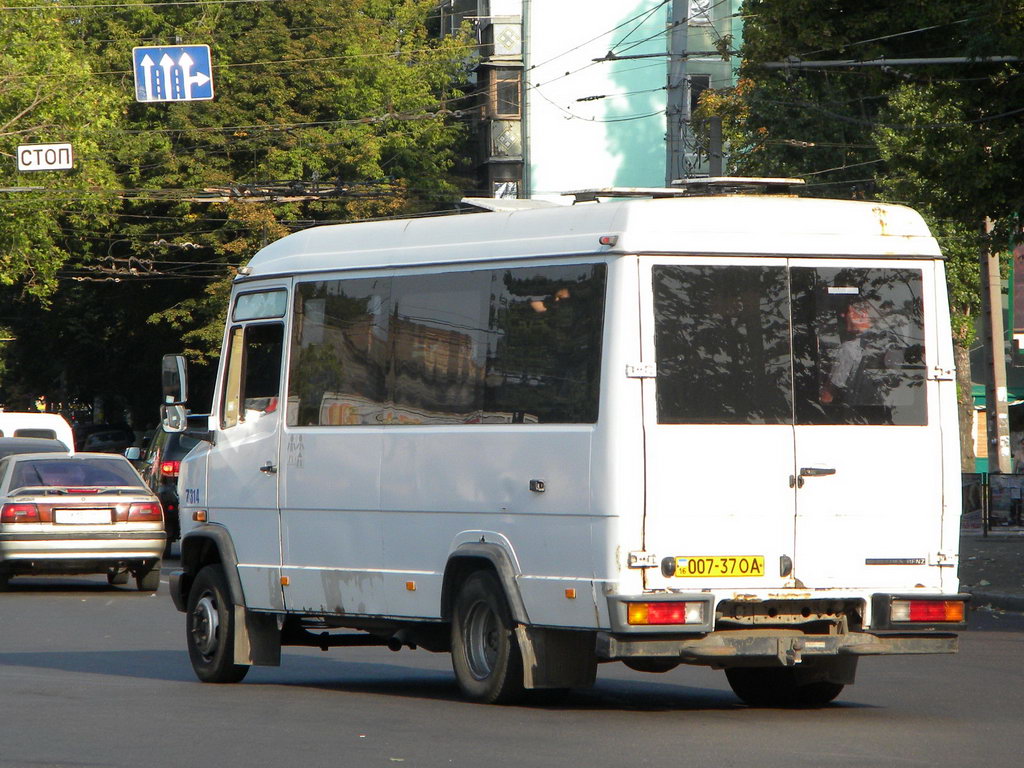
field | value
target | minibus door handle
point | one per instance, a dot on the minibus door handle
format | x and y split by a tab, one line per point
798	481
269	468
816	471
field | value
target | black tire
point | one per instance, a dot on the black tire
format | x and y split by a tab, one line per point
210	628
117	576
485	654
147	577
777	687
5	581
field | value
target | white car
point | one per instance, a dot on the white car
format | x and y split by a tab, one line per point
78	513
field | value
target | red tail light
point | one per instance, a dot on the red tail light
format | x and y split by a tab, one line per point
928	611
666	613
145	513
170	468
19	513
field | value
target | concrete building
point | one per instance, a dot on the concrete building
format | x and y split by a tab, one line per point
592	93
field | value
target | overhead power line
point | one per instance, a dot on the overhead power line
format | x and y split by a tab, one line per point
885	62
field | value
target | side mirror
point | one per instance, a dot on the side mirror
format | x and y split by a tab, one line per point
133	453
174	418
174	379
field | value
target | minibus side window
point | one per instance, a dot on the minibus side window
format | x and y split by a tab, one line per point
723	344
339	352
439	342
544	354
253	377
518	345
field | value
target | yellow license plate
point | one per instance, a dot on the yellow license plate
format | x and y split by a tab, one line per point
720	565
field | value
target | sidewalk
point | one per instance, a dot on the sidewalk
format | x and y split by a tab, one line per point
992	567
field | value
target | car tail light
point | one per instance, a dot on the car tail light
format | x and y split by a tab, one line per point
82	491
19	513
170	468
675	612
149	512
928	611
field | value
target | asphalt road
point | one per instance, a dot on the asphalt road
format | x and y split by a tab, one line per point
97	676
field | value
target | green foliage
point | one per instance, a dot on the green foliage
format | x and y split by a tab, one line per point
324	110
944	138
48	94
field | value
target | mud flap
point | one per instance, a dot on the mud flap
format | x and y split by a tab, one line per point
257	638
557	658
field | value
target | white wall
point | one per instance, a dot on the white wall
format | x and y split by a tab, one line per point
616	140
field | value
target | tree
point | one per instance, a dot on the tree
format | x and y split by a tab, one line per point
324	111
943	138
48	94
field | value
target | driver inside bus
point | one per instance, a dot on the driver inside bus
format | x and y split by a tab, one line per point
847	374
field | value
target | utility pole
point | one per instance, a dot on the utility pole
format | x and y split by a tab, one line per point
677	108
997	416
715	153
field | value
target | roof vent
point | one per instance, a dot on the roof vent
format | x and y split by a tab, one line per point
711	185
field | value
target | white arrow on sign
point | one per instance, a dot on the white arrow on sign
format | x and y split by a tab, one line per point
147	67
166	64
199	78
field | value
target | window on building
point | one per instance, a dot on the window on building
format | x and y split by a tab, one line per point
698	84
700	12
505	93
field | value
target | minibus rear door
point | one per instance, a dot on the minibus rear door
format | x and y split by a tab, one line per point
720	485
868	438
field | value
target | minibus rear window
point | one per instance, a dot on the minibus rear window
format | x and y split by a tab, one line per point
800	345
722	336
859	346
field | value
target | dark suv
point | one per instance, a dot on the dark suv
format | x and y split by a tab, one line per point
158	463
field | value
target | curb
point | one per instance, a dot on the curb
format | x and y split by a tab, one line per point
1002	601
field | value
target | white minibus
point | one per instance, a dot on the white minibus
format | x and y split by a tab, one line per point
52	426
712	426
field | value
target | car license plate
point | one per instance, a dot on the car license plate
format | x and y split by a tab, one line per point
720	565
82	516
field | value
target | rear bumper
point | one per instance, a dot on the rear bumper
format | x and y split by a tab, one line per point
81	546
788	647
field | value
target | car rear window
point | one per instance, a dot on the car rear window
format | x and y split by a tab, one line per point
184	445
49	434
78	473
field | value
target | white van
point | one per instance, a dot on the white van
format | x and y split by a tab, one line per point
715	429
52	426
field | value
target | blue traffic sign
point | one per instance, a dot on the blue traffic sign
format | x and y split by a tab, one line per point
173	73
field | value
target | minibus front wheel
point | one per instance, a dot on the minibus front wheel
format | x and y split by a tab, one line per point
210	628
485	654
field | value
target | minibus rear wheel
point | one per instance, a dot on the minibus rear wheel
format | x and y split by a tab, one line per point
210	628
485	654
777	687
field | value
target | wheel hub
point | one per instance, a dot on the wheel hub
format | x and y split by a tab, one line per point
205	624
482	640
